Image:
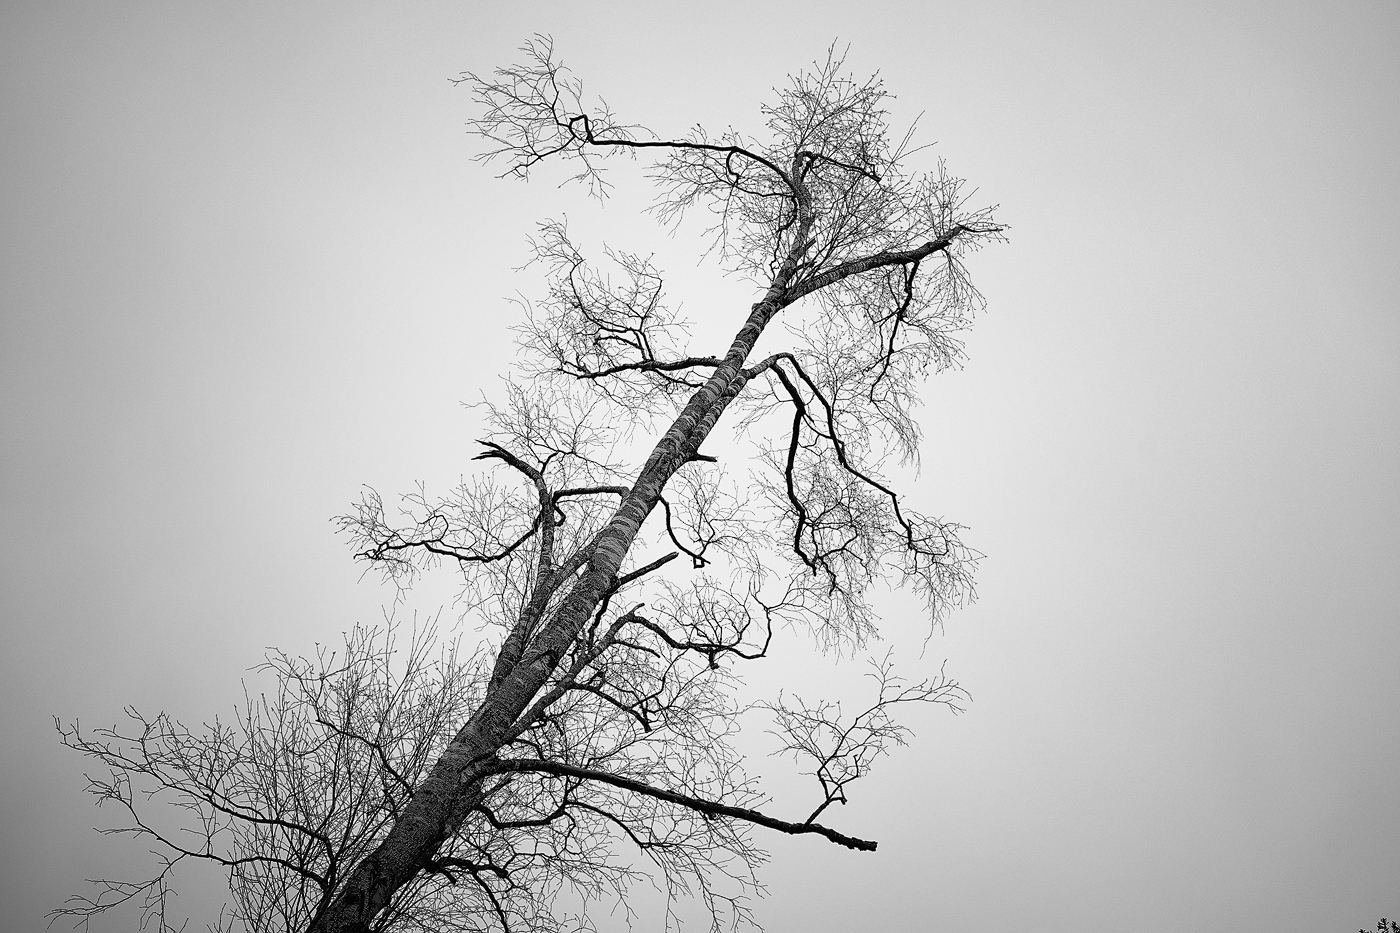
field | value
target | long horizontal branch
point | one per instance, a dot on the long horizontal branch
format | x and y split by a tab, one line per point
729	151
699	805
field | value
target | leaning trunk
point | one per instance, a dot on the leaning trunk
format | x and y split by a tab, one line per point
453	787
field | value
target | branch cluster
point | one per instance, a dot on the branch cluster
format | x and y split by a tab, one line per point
292	792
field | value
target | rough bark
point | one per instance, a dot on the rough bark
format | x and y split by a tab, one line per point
441	801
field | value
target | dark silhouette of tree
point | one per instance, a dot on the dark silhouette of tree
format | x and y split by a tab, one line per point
594	737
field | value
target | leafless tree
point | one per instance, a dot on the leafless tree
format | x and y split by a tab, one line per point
598	739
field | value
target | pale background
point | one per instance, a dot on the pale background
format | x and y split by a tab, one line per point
246	266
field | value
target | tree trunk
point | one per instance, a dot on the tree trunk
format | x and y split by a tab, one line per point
444	798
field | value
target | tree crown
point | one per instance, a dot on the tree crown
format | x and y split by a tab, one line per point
599	728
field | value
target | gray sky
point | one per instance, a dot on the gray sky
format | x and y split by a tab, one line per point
247	266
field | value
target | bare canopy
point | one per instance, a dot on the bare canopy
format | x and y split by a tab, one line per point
470	790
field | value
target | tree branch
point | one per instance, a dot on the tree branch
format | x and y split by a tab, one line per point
877	260
708	807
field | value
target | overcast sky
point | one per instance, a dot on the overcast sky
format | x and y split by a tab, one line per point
246	266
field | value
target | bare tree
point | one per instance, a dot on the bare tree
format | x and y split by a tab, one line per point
601	730
294	791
